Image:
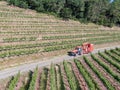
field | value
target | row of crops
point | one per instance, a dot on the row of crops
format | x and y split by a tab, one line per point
36	32
33	36
26	34
94	72
28	23
26	49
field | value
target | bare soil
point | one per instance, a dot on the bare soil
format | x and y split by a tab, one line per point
79	77
64	77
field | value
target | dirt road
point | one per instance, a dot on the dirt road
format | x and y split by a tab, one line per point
26	67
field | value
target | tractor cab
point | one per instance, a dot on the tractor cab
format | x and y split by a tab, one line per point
77	50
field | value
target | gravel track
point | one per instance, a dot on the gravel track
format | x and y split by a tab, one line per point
26	67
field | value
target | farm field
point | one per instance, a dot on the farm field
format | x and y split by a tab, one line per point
100	71
27	36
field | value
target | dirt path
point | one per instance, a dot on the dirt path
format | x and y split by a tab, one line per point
64	77
79	77
48	81
26	67
37	83
19	83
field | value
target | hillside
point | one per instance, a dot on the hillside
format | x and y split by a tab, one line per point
27	36
102	12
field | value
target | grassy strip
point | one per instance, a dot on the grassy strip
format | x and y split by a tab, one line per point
43	79
71	78
13	82
34	77
52	78
61	80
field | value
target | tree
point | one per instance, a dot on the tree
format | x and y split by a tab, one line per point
98	11
114	11
93	9
23	4
50	5
66	13
59	6
77	7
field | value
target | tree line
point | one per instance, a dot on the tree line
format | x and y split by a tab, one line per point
101	12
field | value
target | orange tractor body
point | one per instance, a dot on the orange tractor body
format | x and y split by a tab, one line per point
84	49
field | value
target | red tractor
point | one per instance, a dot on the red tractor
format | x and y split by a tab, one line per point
84	49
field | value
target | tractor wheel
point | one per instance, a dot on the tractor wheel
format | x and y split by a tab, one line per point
74	55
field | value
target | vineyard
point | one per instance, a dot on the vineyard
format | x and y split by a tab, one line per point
26	35
100	71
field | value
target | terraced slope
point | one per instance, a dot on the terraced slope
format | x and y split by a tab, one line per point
26	35
92	72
